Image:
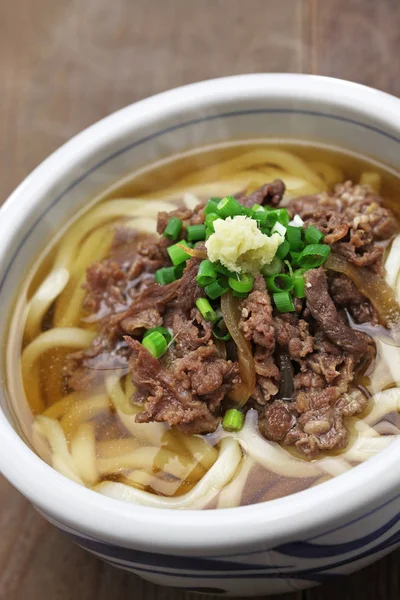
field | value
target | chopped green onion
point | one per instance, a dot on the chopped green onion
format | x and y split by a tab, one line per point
280	282
162	330
165	275
299	287
314	255
270	218
206	309
295	257
209	232
210	218
229	207
223	270
216	288
283	302
283	216
293	236
206	273
283	249
240	294
196	233
256	208
289	267
179	270
220	331
273	268
211	206
173	228
241	283
155	343
177	254
279	228
233	420
313	235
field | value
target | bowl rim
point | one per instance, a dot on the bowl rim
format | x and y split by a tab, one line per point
193	532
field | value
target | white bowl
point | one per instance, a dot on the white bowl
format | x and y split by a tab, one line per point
285	544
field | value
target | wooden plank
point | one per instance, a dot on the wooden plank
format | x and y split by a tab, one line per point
358	40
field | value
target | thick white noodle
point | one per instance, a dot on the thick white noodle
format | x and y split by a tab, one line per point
203	492
231	495
392	264
62	460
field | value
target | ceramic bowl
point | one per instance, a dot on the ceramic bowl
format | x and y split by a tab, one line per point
279	546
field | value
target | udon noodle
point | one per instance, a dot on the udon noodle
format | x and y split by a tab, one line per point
93	438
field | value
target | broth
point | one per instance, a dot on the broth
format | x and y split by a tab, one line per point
91	436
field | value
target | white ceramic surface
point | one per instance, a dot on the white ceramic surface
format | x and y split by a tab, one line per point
289	543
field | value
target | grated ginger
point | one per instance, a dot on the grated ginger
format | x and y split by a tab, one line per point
240	246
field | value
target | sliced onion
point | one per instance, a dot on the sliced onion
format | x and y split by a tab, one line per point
194	252
373	287
242	391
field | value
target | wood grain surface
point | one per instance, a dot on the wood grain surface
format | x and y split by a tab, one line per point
66	63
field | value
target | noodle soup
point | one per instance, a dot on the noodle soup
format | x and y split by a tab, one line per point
319	391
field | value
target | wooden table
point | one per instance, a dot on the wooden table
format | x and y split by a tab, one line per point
66	63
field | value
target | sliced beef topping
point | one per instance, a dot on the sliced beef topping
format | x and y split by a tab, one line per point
345	293
177	396
189	291
146	309
256	317
270	194
324	312
352	219
293	334
190	332
277	421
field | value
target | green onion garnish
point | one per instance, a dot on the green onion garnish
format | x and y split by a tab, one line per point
165	275
162	330
210	218
283	216
283	302
289	267
223	270
295	257
216	288
313	255
206	273
196	233
206	309
279	228
293	236
155	343
273	268
313	235
241	283
173	228
229	207
240	294
220	331
211	206
299	287
283	249
256	208
177	254
233	420
280	282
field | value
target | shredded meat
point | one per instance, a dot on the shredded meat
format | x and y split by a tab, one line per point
189	290
352	220
187	395
256	316
324	312
269	193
